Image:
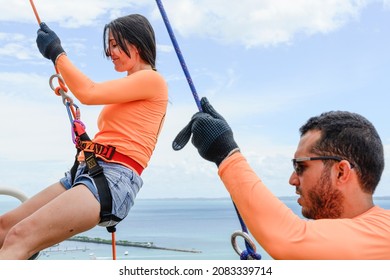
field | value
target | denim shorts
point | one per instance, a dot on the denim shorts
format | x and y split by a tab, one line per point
124	184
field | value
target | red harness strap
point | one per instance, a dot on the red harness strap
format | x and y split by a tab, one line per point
121	158
109	153
105	152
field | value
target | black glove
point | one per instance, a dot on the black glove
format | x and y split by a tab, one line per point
212	135
48	43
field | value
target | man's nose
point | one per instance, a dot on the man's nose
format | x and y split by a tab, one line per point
294	179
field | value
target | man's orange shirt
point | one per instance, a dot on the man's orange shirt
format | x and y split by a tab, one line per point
134	110
284	235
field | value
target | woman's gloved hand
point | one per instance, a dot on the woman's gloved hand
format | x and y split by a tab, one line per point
48	43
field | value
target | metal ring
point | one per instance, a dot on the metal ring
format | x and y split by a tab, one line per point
59	77
65	97
246	238
13	192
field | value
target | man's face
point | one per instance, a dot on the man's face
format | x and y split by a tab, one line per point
314	182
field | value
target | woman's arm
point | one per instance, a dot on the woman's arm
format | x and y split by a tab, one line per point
138	86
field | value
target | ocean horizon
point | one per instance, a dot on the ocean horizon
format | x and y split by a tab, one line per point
177	229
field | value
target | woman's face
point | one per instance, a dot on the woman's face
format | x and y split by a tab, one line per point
122	62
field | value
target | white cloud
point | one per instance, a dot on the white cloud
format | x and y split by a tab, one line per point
260	22
24	86
16	45
250	23
69	13
165	48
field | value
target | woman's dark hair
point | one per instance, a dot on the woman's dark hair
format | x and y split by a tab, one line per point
136	30
351	137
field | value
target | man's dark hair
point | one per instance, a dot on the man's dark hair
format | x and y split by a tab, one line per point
136	30
351	137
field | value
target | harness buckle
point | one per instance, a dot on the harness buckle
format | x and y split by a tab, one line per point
95	171
94	168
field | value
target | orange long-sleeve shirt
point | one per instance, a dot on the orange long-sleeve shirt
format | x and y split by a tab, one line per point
134	110
284	235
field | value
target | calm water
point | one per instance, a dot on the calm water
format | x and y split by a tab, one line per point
194	224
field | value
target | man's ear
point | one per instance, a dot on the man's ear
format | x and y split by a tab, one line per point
343	171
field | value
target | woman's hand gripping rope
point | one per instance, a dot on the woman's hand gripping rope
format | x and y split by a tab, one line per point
49	44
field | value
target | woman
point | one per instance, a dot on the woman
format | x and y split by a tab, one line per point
131	119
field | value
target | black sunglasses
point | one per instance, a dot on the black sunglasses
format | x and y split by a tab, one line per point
298	168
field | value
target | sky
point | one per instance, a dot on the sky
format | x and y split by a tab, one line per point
265	65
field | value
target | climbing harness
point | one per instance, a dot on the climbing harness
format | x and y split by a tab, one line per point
90	149
96	172
250	252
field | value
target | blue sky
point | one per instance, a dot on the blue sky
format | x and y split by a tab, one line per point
265	65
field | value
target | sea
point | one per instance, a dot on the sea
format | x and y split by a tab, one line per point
178	229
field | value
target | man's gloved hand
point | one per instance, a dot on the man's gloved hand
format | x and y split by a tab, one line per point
212	135
48	43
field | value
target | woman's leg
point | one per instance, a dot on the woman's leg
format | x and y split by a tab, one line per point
74	211
28	207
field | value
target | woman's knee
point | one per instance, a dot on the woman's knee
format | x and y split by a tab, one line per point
7	221
15	243
18	242
16	235
2	230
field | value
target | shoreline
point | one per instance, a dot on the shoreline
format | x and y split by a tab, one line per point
146	245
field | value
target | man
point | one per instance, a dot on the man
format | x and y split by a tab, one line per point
337	166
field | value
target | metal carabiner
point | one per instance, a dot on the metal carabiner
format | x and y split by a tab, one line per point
247	239
59	77
65	97
59	90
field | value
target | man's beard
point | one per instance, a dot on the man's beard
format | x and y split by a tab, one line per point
326	201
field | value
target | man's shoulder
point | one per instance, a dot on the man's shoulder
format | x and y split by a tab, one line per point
378	212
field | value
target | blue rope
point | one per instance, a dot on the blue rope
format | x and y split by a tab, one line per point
249	252
179	54
68	110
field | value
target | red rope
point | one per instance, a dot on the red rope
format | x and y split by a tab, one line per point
35	12
113	245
